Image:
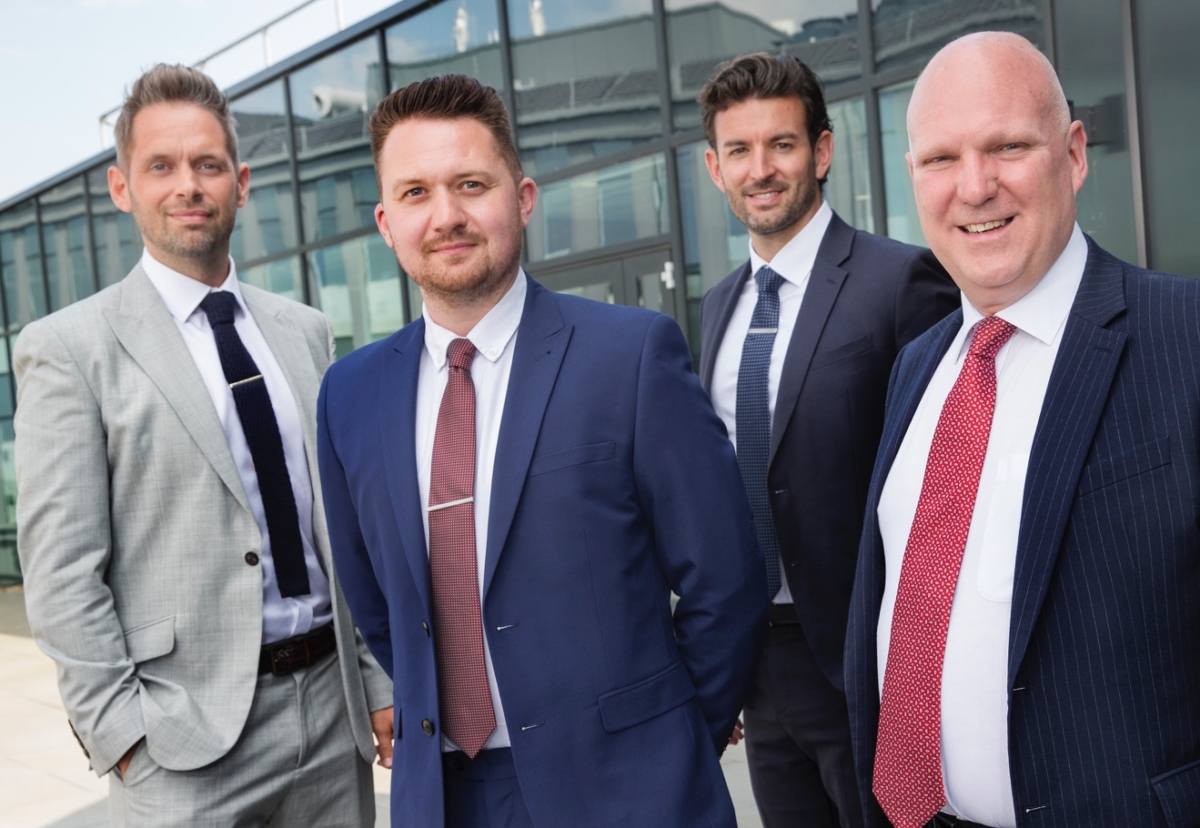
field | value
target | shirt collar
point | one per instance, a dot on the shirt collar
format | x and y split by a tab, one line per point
795	259
1043	311
182	294
490	335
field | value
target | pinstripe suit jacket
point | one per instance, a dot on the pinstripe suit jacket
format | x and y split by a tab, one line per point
133	525
1104	647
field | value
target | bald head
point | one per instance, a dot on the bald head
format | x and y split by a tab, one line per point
995	164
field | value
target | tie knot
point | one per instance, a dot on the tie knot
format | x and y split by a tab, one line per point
768	280
460	353
218	306
990	335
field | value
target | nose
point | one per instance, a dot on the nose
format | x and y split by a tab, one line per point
761	167
977	179
448	214
187	182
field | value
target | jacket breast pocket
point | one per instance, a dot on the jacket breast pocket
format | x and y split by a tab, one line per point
841	353
1131	462
1179	795
152	640
643	700
555	460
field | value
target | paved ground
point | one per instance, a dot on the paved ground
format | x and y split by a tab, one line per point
44	778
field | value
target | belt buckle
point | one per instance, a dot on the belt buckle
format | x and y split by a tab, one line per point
285	660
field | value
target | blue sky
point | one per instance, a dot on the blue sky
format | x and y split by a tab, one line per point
65	62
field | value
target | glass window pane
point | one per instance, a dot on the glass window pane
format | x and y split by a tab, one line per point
331	101
585	79
118	240
267	224
10	567
68	248
357	285
702	34
609	206
1169	64
848	185
903	223
21	262
462	38
6	391
281	276
909	32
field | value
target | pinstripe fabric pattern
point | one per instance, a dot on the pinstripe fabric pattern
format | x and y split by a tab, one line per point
1104	652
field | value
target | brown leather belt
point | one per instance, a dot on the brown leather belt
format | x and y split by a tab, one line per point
286	657
782	615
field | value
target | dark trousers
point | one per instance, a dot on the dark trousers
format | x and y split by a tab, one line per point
798	740
484	792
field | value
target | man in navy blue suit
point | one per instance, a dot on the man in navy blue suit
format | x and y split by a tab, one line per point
845	302
515	485
1024	641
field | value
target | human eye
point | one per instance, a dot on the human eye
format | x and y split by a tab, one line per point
414	192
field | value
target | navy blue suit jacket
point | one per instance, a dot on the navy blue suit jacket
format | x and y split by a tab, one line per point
614	485
867	297
1104	646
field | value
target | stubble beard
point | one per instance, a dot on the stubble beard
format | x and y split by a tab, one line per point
803	195
486	279
200	242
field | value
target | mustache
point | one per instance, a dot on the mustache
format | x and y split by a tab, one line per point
771	183
453	237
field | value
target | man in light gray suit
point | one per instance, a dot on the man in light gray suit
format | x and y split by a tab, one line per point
169	520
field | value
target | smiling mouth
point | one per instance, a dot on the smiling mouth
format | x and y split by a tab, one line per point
985	226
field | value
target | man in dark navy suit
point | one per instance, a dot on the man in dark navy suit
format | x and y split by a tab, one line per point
1024	641
515	485
797	345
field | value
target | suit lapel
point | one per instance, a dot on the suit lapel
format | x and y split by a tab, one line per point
1075	398
146	330
724	299
398	408
823	287
541	344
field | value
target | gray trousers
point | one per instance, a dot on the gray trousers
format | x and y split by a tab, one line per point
295	765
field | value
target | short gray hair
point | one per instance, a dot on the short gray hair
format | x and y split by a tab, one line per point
164	83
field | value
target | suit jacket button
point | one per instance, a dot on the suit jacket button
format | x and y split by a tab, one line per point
427	727
425	627
252	558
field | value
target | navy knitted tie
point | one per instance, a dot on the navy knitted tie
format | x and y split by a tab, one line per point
266	446
754	416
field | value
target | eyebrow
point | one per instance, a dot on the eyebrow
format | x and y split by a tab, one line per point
779	136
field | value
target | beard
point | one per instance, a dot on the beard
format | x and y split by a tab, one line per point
800	198
453	285
200	241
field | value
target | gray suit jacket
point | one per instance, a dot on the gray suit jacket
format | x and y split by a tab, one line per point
133	527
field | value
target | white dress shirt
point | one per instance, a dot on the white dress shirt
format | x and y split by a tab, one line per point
794	262
975	762
494	338
282	617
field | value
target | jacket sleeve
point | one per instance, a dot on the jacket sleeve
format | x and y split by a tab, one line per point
690	488
64	540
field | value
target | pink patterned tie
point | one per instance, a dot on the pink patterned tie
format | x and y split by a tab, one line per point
467	715
908	760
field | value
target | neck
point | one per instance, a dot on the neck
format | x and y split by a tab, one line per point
211	269
768	245
459	313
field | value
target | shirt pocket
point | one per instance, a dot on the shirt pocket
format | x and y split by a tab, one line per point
998	558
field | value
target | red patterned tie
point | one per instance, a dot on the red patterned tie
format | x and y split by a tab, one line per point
467	715
908	760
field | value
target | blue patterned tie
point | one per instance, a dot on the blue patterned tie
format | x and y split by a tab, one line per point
754	416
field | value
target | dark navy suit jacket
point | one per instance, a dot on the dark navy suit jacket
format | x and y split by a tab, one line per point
868	296
1104	647
614	485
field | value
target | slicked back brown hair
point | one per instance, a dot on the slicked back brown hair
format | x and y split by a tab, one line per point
762	75
443	98
165	83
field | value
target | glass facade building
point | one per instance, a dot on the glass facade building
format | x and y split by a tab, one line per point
603	100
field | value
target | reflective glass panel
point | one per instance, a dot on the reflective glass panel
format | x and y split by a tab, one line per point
702	34
331	101
6	391
21	263
585	79
267	224
68	249
357	285
616	204
848	185
10	567
1169	64
909	32
281	276
118	241
462	37
903	223
1089	35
